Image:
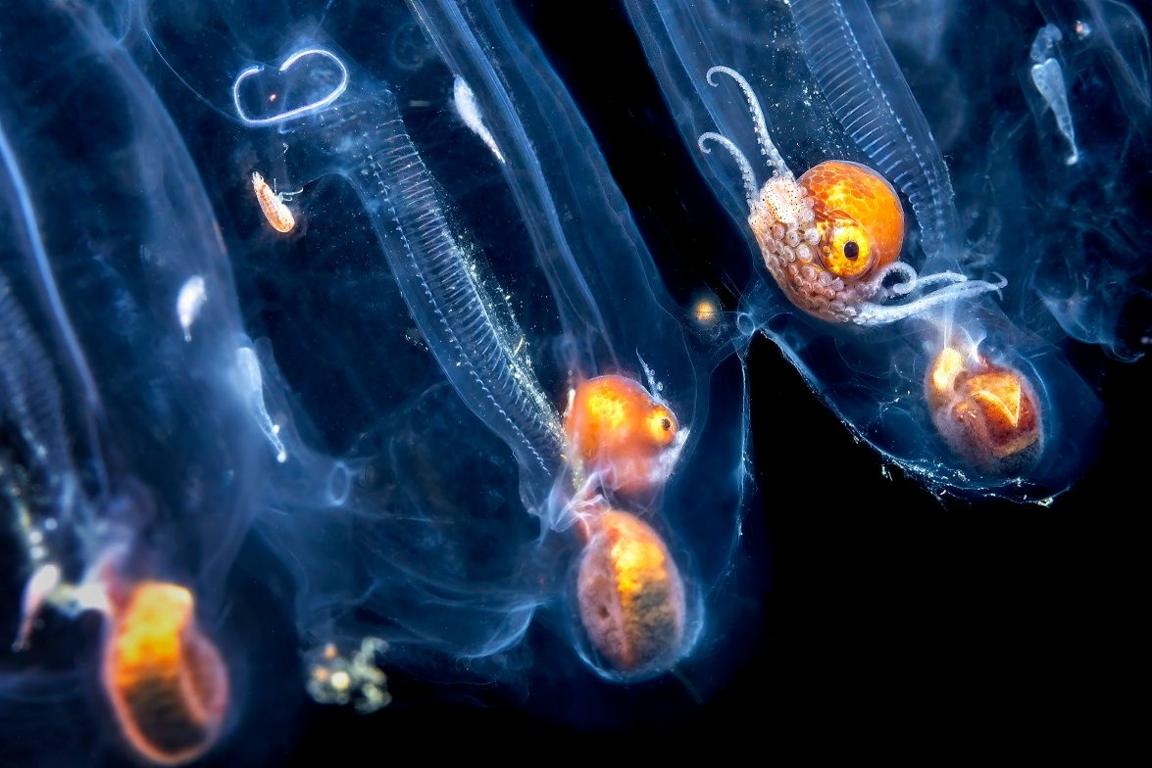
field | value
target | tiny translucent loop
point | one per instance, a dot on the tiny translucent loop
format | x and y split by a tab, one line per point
296	112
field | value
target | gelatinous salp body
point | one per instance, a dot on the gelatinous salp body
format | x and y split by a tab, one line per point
465	268
389	368
128	450
1073	85
164	678
361	136
1063	82
617	317
812	85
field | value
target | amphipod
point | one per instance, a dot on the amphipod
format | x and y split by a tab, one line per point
276	213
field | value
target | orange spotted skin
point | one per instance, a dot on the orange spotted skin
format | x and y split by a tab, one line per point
615	426
827	235
165	679
854	197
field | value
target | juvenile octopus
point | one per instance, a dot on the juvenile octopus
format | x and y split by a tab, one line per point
831	238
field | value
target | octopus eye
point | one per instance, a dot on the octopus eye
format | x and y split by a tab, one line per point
661	426
849	252
859	217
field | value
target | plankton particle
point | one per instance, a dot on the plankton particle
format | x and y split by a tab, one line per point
279	217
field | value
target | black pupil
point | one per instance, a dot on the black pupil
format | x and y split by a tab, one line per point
851	250
666	423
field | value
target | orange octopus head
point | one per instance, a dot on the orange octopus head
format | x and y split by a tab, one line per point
858	216
616	428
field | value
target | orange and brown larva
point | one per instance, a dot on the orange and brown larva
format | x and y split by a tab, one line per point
631	596
987	414
164	678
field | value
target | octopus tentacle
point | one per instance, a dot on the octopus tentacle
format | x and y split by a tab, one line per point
775	159
946	278
751	188
881	314
910	281
907	281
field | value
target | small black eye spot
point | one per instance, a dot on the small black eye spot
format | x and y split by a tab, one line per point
851	250
666	424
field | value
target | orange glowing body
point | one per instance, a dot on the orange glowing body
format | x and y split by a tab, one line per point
631	595
615	427
165	680
826	236
986	413
705	312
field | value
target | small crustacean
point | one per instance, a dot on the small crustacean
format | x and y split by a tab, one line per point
831	239
278	215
